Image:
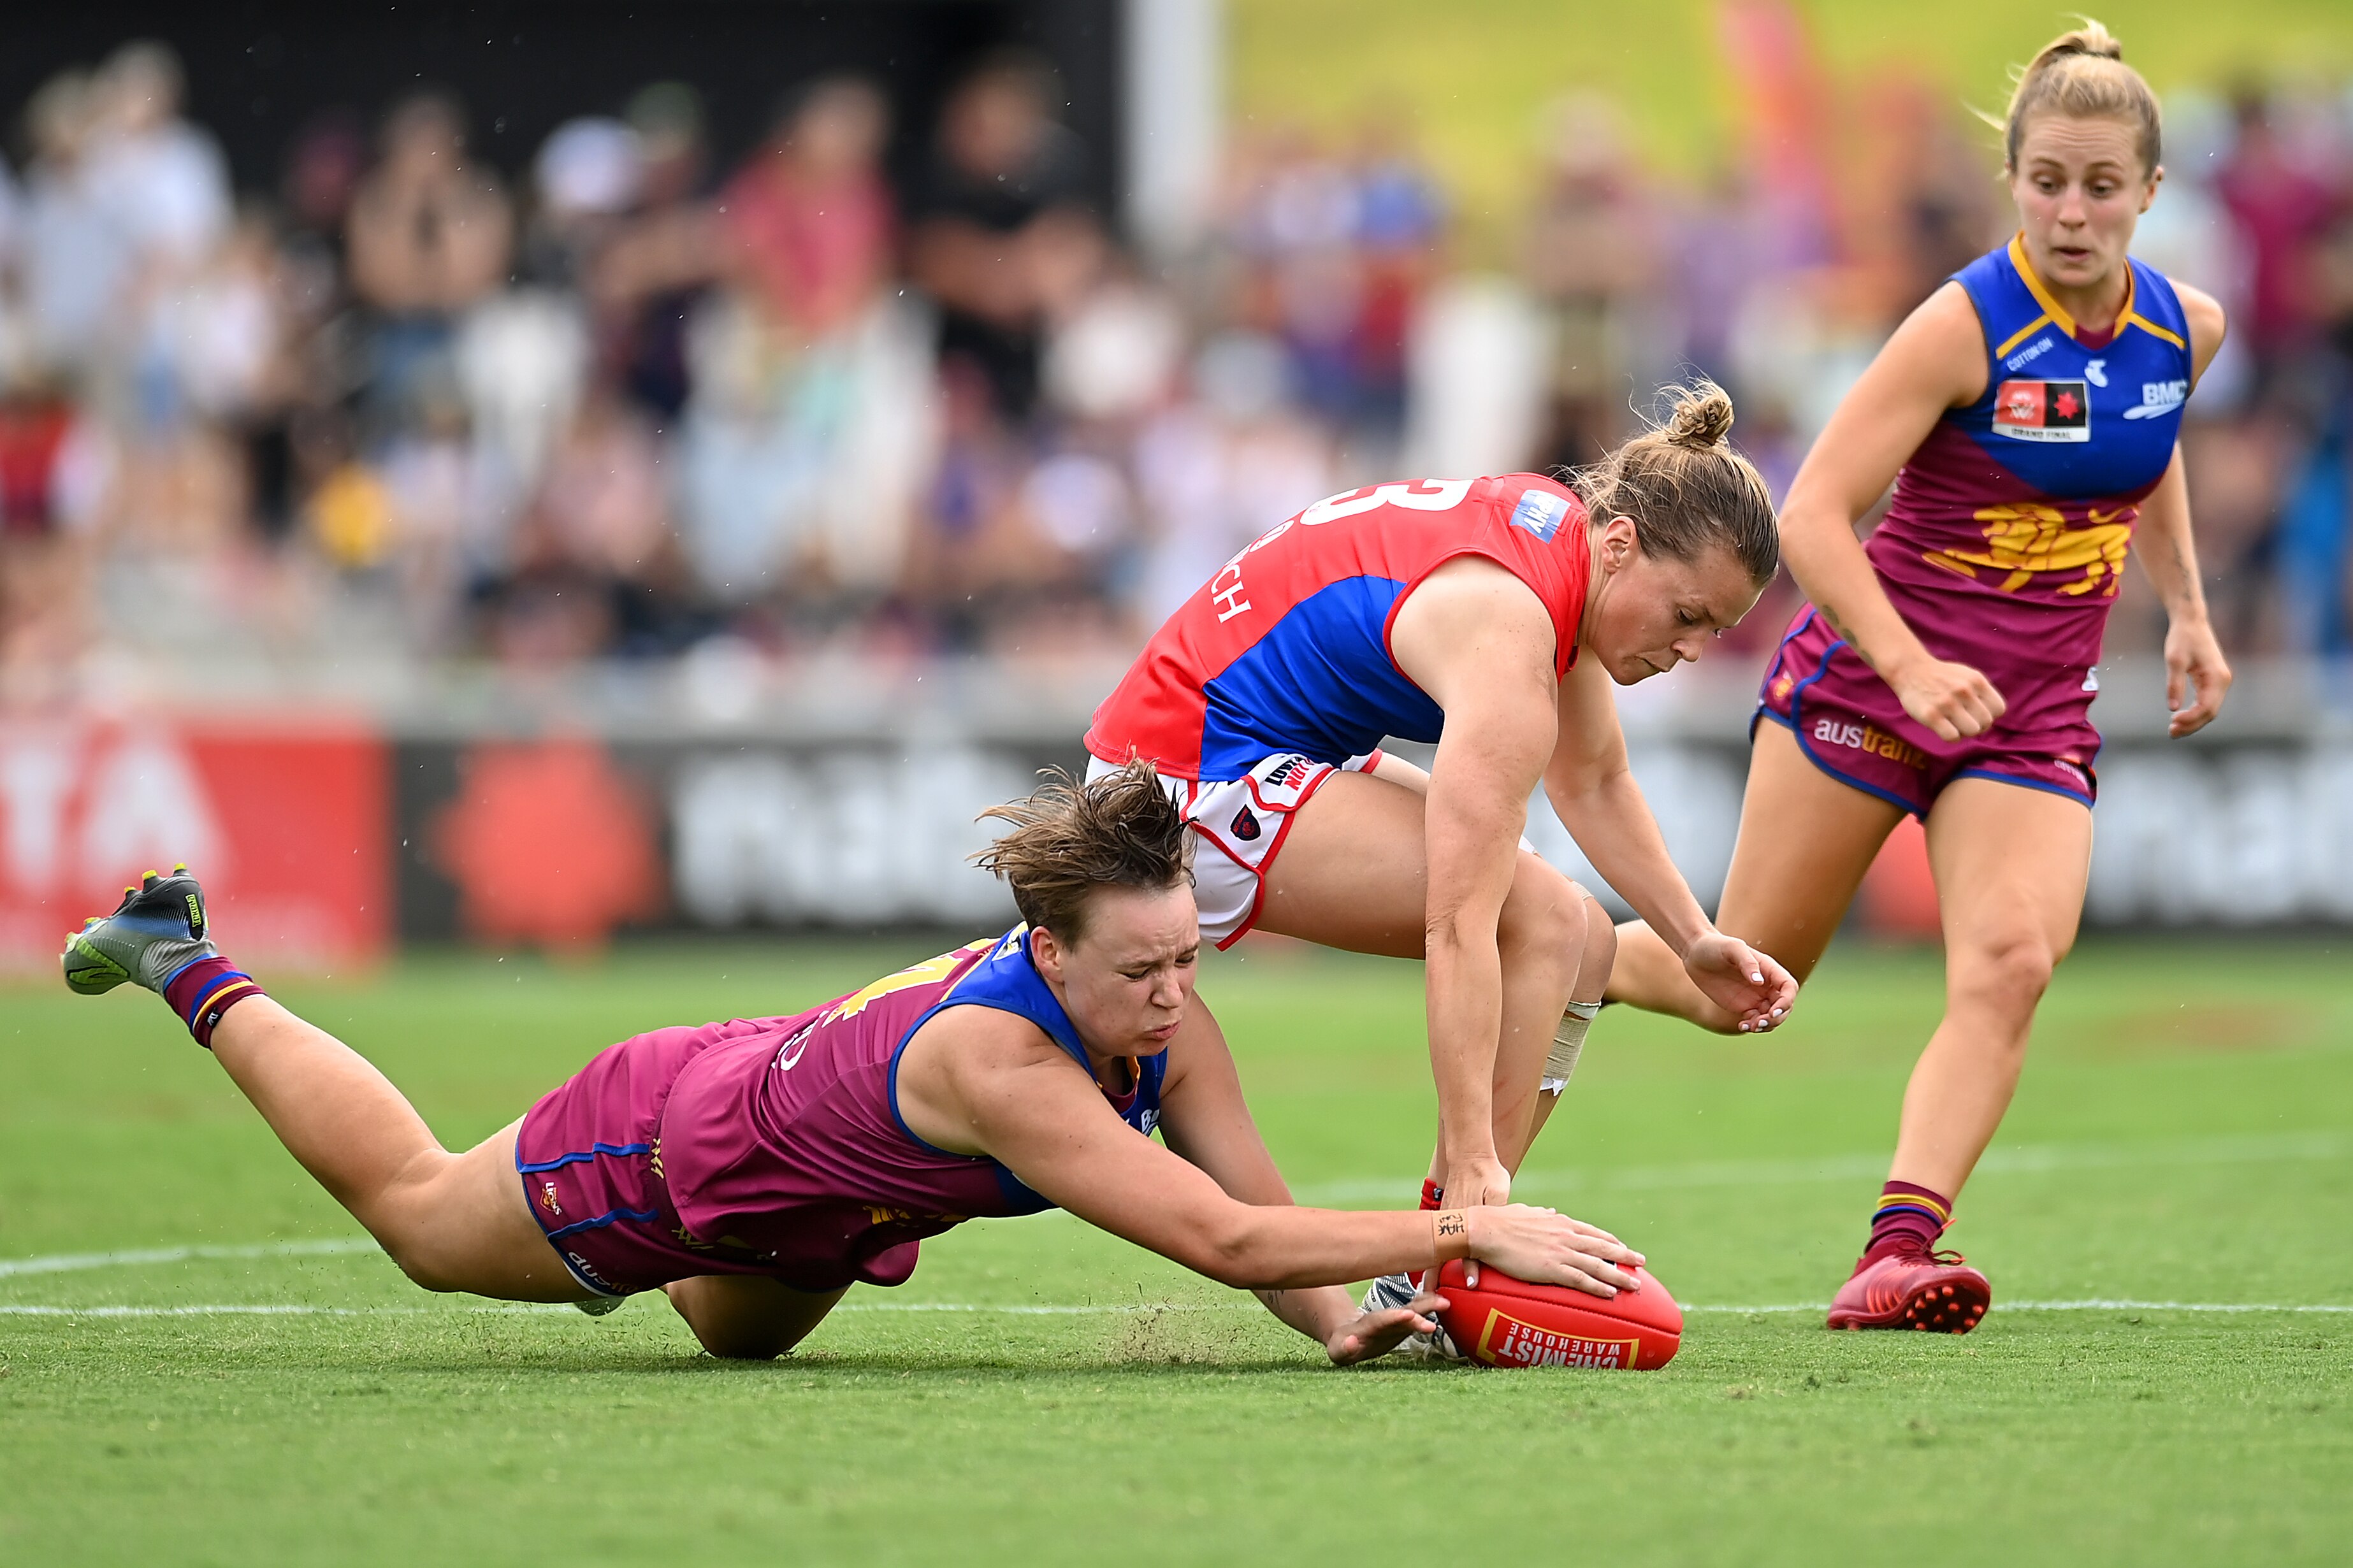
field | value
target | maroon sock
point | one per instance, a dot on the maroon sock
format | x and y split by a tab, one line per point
1909	1219
201	994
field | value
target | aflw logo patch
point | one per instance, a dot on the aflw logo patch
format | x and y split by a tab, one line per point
2043	411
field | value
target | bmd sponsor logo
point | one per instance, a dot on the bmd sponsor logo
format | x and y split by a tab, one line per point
2158	398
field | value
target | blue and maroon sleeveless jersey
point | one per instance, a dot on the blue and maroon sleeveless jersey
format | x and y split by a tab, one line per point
1287	647
2007	536
786	1143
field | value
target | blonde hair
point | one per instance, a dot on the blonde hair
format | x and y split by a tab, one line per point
2082	75
1685	487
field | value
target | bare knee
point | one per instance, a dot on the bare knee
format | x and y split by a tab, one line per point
414	1253
2005	973
1544	920
410	1219
1601	951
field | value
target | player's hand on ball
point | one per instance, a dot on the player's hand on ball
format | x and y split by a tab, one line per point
1953	700
1479	1179
1741	981
1547	1247
1373	1334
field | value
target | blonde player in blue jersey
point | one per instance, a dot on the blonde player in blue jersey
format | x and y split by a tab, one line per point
2027	416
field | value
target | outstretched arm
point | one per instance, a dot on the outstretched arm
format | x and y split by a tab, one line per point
1593	789
1006	1091
1208	1123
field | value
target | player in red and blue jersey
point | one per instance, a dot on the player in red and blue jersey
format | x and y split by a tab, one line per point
2028	417
1489	615
754	1170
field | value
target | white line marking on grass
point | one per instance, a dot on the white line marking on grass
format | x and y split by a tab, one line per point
2025	1159
1045	1311
69	1262
227	1309
244	1310
2089	1305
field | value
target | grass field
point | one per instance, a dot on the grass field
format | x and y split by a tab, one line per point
1041	1393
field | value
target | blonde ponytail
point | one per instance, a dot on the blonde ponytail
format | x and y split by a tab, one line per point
2082	75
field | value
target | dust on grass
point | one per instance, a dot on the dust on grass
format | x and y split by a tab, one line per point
2198	1027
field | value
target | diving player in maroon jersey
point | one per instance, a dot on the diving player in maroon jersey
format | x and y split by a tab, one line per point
2027	416
755	1170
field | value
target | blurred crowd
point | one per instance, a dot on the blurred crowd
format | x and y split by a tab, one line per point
626	401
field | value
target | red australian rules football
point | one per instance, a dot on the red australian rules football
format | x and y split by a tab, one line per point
1510	1322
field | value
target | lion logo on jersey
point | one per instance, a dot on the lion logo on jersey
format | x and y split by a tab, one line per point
2030	539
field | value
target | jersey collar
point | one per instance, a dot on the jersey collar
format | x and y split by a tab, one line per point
2057	314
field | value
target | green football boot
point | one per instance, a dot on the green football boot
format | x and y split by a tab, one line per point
157	931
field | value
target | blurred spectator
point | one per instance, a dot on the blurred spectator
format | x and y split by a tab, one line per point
1219	469
1000	213
429	235
656	407
807	222
650	276
2286	201
1592	252
592	567
164	179
807	435
2281	209
587	176
77	260
429	232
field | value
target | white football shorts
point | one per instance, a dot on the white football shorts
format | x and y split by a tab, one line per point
1239	825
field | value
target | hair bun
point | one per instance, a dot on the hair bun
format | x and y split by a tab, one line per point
1700	417
2091	38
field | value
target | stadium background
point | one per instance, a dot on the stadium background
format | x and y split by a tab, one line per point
440	443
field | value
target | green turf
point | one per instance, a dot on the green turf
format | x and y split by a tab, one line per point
2185	1133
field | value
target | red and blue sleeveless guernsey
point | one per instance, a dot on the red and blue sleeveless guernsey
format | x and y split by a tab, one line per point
773	1146
2005	543
1286	650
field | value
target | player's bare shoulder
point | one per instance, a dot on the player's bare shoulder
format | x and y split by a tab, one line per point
1471	611
2207	324
1940	346
966	1065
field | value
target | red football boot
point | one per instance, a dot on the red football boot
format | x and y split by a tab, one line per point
1934	1291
